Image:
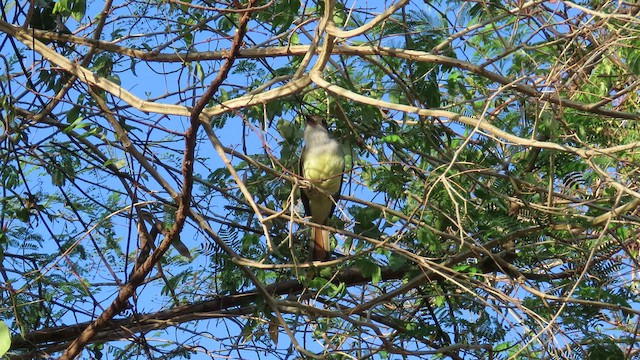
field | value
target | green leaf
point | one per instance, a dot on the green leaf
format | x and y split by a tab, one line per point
73	114
605	351
393	139
287	130
132	66
369	269
365	218
78	9
199	72
61	7
502	346
284	15
225	24
5	338
76	124
397	262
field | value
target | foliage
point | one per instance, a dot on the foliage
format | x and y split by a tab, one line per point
489	208
5	338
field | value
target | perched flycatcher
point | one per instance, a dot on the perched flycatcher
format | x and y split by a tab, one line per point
322	163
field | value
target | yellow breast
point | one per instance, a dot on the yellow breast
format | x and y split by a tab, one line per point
324	171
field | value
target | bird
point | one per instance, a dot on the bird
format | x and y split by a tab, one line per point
322	164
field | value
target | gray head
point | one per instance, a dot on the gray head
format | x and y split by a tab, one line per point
316	129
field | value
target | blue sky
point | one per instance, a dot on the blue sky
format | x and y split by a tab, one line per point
159	81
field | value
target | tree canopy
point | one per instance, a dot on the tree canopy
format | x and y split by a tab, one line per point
150	201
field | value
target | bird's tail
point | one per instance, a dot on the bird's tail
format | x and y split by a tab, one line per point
320	246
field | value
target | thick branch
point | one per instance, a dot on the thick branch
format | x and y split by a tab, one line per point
421	56
230	305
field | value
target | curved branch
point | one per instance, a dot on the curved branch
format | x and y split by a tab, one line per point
479	123
220	306
295	85
345	34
